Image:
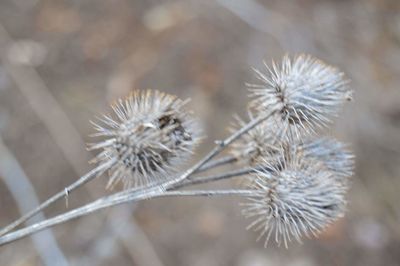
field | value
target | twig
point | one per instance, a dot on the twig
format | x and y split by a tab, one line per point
137	195
57	122
169	185
112	201
206	167
201	166
221	145
196	180
64	193
207	179
217	162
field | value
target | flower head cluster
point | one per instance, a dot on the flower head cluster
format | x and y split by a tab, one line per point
255	143
304	92
149	136
262	142
294	198
302	185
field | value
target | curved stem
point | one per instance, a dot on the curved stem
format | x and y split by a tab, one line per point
108	202
81	181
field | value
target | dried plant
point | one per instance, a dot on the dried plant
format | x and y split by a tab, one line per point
296	181
306	93
261	141
150	137
295	197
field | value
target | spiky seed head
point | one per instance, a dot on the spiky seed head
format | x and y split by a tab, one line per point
263	141
305	93
295	199
332	153
255	143
149	135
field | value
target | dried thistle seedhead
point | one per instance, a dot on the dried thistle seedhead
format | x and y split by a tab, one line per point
257	142
150	136
264	142
294	199
332	153
304	91
328	152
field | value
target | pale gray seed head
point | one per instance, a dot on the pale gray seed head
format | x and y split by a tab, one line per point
293	200
150	135
305	92
255	143
263	141
332	153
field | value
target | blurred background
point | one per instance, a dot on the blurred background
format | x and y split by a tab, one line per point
63	62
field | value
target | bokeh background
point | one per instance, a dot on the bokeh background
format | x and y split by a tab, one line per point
63	62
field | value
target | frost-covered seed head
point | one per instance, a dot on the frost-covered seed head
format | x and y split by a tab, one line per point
293	200
304	91
149	135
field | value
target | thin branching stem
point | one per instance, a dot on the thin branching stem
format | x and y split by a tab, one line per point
198	180
169	185
86	178
212	178
112	201
195	181
81	181
221	145
218	162
303	186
